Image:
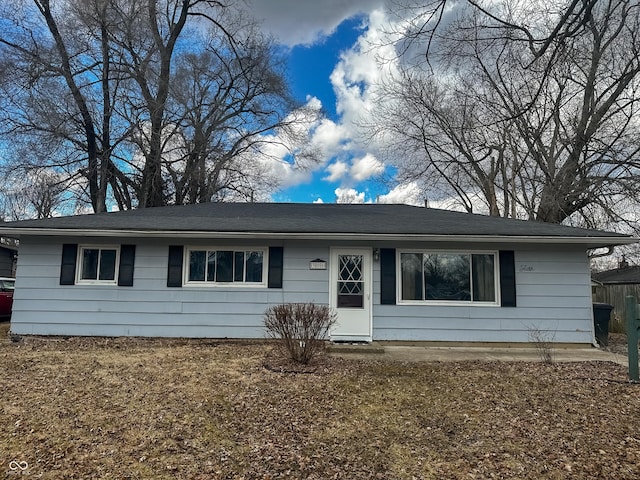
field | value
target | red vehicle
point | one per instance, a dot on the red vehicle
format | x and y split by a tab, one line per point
7	286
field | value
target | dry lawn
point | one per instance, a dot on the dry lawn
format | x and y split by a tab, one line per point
125	408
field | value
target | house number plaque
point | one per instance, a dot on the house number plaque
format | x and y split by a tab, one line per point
318	264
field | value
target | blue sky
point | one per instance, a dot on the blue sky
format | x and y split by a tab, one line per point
310	69
331	66
310	66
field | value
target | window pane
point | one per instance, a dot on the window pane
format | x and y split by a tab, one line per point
350	294
211	266
411	271
350	267
224	267
89	264
484	285
254	267
447	276
350	281
107	264
238	267
196	265
350	301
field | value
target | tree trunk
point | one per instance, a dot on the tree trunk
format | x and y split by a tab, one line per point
92	172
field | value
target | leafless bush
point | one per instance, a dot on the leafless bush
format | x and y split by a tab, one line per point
543	340
300	328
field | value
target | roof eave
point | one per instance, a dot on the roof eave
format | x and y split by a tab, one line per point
589	242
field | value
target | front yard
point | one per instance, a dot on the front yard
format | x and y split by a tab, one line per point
127	408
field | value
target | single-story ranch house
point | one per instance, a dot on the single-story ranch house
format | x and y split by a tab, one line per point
391	272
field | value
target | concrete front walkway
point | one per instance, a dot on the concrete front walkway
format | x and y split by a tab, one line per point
415	353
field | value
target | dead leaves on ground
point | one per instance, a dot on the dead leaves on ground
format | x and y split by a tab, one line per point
124	408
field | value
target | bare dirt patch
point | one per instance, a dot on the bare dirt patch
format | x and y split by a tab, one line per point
126	408
4	330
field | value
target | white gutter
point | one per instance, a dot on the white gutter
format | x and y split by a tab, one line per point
548	239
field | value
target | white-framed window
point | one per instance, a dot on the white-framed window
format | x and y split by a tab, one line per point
448	277
98	264
226	266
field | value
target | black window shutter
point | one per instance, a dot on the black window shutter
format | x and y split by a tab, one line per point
507	278
275	267
68	266
127	261
387	276
174	269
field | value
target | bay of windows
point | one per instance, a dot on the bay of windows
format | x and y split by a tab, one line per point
226	266
444	276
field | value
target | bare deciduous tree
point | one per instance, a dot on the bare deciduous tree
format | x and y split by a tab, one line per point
140	103
59	92
225	99
38	196
541	129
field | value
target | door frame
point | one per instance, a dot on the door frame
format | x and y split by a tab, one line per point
367	253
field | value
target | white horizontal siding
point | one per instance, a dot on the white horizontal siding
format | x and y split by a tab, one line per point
148	319
150	308
553	296
300	284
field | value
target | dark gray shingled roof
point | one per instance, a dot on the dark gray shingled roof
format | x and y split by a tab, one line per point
299	218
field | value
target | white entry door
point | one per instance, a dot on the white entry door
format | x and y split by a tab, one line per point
350	292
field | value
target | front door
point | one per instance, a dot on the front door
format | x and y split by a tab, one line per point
350	292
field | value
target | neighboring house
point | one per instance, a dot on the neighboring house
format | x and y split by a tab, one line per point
8	256
613	286
391	272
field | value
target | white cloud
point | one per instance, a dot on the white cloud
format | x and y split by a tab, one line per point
349	153
359	72
318	200
330	138
313	132
359	169
296	22
349	195
408	194
337	171
366	167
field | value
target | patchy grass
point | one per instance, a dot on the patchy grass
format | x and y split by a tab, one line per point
124	408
